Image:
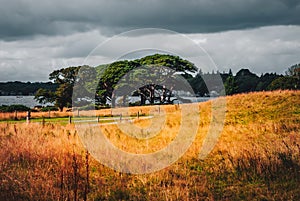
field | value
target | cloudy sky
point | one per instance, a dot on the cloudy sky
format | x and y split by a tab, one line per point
37	37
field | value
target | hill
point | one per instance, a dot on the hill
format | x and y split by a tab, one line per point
257	157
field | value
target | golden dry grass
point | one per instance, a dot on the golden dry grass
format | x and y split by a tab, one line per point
23	115
132	111
257	157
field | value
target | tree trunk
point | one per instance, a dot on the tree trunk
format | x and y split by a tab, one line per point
124	102
151	94
113	100
143	100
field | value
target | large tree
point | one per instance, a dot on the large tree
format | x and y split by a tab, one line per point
65	78
45	96
149	70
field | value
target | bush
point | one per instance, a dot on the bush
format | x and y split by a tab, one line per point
138	103
12	108
87	107
92	107
51	108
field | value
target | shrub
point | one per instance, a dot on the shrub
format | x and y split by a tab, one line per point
51	108
12	108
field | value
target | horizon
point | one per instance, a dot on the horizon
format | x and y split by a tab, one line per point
223	72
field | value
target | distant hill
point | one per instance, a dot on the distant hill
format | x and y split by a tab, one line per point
24	88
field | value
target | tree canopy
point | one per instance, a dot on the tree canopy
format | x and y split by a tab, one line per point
65	78
154	79
148	70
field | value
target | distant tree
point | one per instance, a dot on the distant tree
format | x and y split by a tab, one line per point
265	80
230	85
246	81
198	84
204	83
294	71
285	82
290	81
13	108
25	88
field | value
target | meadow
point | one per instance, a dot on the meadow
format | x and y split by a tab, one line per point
257	156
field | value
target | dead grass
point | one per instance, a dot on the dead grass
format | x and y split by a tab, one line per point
256	158
23	115
132	111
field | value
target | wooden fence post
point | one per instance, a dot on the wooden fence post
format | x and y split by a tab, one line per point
70	119
28	117
43	122
16	115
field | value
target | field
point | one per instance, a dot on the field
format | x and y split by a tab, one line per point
257	156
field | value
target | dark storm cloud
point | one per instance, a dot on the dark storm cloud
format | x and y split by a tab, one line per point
20	19
37	37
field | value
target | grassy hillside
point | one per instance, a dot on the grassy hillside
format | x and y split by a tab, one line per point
257	157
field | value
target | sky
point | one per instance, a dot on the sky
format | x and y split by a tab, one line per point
37	37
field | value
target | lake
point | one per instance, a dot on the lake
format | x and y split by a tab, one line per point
22	100
30	102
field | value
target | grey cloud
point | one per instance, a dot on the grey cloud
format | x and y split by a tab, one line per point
291	3
34	59
25	19
37	37
267	49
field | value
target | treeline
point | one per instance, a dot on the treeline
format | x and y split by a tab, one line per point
25	88
244	81
153	79
13	108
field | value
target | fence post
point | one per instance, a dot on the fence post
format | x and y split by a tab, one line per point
28	117
49	115
98	119
138	114
16	115
70	119
43	122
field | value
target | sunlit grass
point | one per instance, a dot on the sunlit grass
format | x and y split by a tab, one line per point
257	156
